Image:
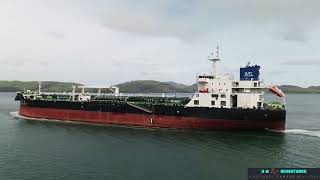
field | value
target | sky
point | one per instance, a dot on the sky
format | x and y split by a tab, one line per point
103	42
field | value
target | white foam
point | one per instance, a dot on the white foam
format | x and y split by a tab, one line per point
14	114
314	133
18	116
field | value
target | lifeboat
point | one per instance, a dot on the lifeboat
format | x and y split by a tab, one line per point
275	90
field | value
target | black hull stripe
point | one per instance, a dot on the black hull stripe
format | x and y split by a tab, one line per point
198	112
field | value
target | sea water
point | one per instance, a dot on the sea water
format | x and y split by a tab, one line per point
38	150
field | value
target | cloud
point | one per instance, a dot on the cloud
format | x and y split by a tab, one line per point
134	61
275	73
25	62
294	36
302	62
57	35
142	20
191	19
157	75
115	41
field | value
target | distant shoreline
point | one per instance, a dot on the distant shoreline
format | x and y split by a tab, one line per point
140	86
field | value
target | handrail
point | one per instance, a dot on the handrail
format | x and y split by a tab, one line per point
139	107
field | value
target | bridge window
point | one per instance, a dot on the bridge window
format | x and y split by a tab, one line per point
255	84
209	77
223	96
259	104
215	96
223	103
196	102
213	103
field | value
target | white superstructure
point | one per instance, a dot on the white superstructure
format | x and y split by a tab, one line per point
219	90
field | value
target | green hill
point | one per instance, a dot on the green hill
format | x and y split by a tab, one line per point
150	86
141	86
52	86
297	89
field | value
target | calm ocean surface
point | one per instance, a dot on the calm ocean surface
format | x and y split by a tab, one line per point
50	150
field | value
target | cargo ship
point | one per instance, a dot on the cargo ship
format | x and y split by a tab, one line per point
219	103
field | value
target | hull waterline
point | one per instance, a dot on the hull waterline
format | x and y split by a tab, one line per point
148	120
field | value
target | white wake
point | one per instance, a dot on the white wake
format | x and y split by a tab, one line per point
15	114
314	133
18	116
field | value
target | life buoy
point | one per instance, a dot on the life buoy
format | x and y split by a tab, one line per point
205	90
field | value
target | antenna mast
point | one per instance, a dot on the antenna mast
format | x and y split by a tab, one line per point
39	88
214	61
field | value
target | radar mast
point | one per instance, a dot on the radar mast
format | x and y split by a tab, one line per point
214	60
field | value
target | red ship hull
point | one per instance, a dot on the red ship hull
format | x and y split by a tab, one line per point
146	120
